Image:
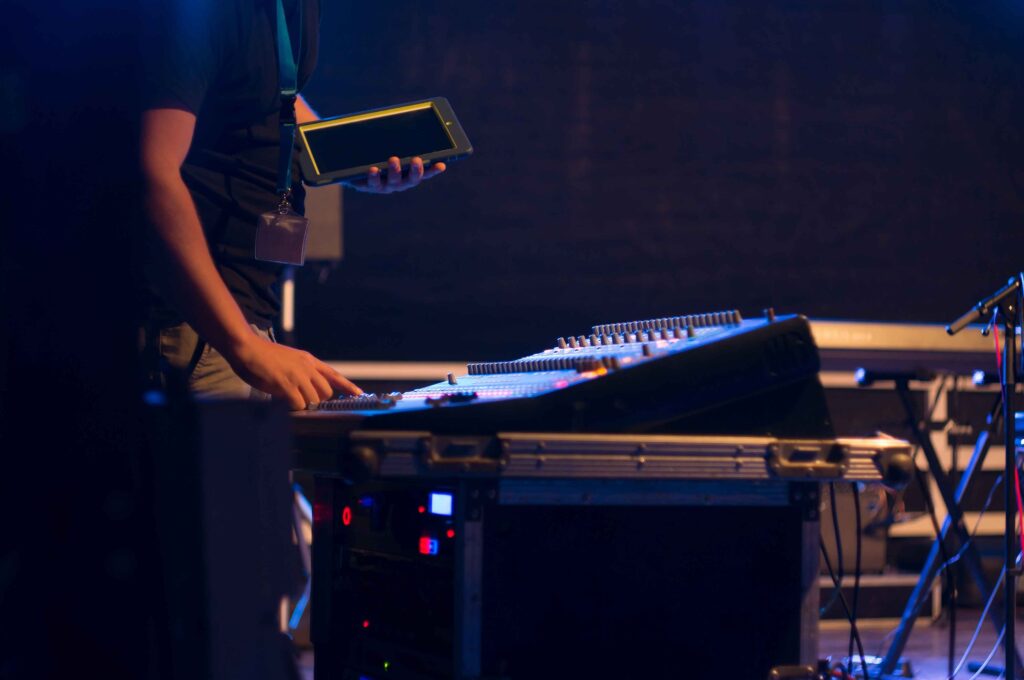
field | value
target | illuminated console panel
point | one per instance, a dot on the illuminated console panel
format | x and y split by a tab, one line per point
633	376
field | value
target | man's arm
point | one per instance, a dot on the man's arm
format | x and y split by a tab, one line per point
191	279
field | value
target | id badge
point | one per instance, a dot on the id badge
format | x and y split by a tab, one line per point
281	236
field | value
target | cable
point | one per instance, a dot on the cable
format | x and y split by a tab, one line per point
951	583
981	622
977	524
856	566
835	527
850	613
952	672
1020	506
839	552
953	560
950	587
846	607
995	648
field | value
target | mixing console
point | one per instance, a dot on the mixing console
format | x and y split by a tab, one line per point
673	374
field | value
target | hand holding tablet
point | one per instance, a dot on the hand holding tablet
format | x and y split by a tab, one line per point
368	150
393	179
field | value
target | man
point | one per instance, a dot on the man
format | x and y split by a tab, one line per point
209	147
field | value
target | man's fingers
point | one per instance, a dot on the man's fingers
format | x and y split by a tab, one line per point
323	388
434	170
394	171
415	171
374	178
308	392
396	181
295	400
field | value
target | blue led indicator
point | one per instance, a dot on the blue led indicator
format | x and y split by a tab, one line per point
441	504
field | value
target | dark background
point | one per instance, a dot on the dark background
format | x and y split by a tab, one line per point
845	159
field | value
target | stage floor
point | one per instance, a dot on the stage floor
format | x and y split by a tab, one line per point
926	650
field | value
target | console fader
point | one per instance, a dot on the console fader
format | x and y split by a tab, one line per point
697	373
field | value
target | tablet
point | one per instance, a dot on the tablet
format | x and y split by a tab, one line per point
336	149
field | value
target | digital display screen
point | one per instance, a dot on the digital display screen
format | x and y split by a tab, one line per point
373	140
441	504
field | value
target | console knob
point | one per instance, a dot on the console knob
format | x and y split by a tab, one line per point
561	343
452	379
691	332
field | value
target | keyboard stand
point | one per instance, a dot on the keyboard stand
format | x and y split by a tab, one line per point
951	498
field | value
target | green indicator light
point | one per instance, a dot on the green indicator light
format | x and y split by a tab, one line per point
387	665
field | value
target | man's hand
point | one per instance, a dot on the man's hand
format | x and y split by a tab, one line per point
396	179
288	373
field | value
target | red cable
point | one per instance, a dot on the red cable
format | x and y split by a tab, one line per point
1020	507
999	353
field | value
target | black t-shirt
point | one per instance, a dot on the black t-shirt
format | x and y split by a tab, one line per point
218	60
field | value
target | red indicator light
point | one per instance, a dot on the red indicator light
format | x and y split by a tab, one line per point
450	533
422	509
428	545
346	516
366	623
321	512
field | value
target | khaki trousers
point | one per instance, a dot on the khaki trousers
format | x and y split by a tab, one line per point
207	371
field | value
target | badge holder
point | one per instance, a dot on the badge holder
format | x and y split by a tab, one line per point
281	232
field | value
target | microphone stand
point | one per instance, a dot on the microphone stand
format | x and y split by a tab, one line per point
1007	300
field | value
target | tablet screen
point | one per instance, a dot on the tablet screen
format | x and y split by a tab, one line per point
372	139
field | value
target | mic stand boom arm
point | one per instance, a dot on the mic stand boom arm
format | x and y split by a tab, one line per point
984	307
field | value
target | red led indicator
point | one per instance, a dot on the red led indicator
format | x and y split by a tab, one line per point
346	516
428	545
450	533
366	623
422	509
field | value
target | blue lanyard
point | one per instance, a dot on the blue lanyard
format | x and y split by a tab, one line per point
287	75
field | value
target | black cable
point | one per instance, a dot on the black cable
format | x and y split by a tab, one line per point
850	614
839	552
952	619
833	598
835	527
846	608
856	564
